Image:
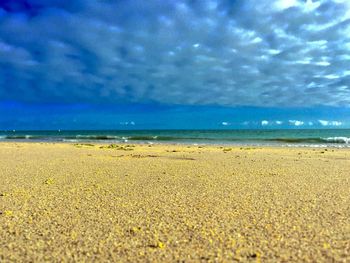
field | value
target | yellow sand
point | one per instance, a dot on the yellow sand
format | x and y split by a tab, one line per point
167	203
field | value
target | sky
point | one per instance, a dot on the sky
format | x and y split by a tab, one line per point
174	64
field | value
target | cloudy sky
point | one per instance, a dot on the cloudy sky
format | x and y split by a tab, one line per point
139	64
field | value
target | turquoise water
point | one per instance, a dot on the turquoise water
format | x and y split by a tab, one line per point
314	137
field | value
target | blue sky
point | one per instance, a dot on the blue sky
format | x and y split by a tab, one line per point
165	64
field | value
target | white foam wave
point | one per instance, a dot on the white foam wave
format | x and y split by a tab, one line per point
338	139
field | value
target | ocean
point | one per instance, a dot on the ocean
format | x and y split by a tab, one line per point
296	137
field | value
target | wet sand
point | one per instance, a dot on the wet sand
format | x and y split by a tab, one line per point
167	203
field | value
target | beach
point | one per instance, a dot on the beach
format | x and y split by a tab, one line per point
173	203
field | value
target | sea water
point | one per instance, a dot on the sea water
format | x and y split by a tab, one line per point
296	137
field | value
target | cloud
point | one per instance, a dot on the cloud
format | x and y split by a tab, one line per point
323	122
296	122
224	123
279	122
330	123
176	52
127	123
264	123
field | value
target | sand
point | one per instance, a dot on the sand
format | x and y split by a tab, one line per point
168	203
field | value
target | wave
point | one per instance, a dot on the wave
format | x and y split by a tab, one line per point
94	137
338	140
343	140
60	138
20	137
74	138
136	138
126	138
155	138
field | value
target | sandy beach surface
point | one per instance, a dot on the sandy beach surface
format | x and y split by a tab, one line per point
171	203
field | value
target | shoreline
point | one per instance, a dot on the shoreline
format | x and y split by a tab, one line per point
159	143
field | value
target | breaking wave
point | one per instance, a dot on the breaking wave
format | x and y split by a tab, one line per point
338	140
341	140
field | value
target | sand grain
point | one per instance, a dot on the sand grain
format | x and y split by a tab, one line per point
60	202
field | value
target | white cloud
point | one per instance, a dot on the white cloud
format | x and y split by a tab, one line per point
264	122
222	52
330	123
279	122
126	123
337	123
224	123
284	4
296	122
323	122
